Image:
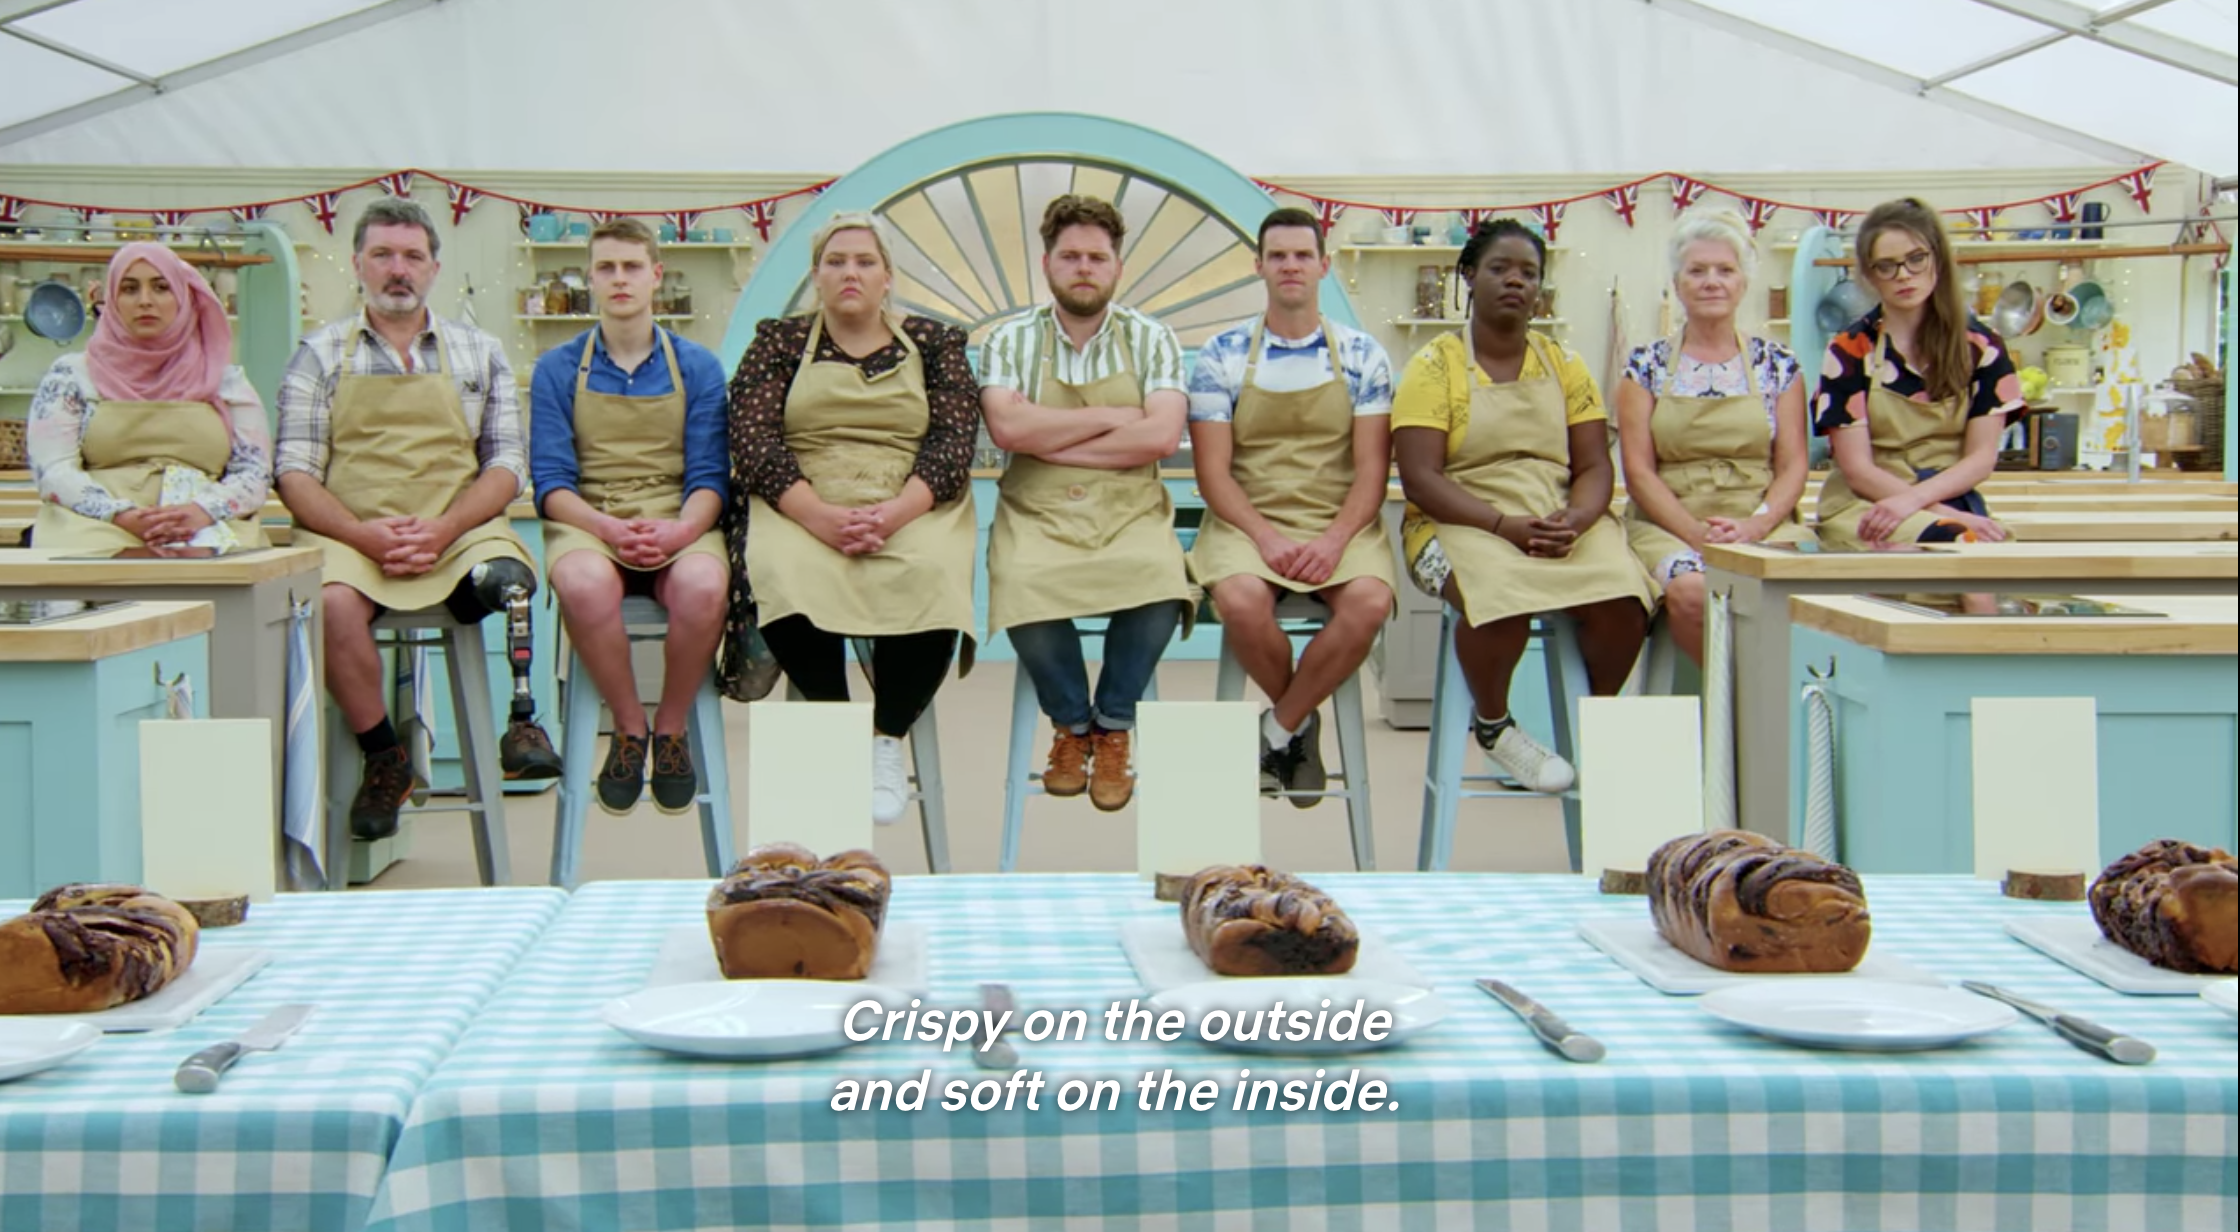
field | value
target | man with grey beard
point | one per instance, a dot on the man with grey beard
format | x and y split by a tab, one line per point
400	446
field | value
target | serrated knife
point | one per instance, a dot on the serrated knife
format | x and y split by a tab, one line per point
198	1074
1553	1031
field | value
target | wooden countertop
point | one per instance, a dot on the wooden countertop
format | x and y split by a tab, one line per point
1985	562
104	634
2195	625
12	531
28	567
2123	526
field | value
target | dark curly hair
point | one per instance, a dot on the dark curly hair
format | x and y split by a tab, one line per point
1074	210
1483	238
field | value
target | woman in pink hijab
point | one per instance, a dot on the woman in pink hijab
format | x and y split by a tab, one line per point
151	437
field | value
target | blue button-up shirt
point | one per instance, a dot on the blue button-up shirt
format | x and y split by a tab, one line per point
553	465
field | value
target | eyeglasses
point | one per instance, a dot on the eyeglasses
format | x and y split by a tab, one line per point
1915	262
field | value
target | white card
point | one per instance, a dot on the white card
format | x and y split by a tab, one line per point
2037	784
1640	778
206	816
809	775
1197	785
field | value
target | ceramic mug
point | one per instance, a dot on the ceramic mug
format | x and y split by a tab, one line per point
723	235
698	235
545	228
667	233
579	230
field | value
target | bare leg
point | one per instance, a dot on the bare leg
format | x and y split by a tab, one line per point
1488	654
1248	622
1610	636
1683	613
1357	610
696	591
589	587
353	664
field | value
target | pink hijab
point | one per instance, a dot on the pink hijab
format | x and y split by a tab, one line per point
185	363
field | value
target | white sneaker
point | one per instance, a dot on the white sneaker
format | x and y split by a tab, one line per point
1533	765
890	782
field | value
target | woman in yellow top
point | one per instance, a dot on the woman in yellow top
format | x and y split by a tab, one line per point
1711	426
1504	451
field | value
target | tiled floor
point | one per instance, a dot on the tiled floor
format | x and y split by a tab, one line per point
1524	835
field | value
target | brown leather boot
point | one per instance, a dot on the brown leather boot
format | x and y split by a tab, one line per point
1068	771
1111	779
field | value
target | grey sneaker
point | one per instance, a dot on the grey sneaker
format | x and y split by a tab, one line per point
1305	756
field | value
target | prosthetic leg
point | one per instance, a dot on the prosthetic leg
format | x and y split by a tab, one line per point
503	586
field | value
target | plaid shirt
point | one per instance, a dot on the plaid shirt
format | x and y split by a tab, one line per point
477	365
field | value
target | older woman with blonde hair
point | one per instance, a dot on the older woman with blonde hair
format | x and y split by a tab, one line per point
1711	425
852	433
151	438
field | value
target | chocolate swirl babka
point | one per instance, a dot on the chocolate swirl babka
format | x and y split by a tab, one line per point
2175	905
86	948
1743	902
783	913
1245	919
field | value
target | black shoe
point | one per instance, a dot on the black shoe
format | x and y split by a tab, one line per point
525	752
624	775
382	789
675	784
1305	755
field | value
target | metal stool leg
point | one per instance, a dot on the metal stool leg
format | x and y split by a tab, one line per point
1567	681
1019	775
711	764
345	766
1228	679
1450	737
579	740
478	749
925	766
1353	758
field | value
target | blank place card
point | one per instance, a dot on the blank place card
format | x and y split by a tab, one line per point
2037	784
1640	778
809	775
1197	785
206	815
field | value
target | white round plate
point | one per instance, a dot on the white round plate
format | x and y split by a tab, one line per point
1414	1010
2225	996
758	1019
1870	1015
28	1045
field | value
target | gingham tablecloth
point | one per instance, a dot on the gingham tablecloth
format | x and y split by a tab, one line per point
545	1118
293	1140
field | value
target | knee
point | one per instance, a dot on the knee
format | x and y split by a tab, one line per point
1683	597
343	609
582	578
697	586
1361	605
1244	601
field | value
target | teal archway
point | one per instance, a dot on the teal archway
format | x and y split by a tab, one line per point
963	202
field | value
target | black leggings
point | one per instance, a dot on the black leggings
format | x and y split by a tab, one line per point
907	668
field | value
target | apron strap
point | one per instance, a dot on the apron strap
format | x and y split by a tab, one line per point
1050	347
358	337
1256	349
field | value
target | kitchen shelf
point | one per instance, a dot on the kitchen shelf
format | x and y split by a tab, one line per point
589	317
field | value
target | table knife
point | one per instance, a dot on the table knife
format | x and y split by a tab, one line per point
2090	1036
1553	1031
1000	1055
198	1074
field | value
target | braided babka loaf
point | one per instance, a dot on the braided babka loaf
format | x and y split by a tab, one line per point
785	914
86	948
2175	905
1743	902
1245	919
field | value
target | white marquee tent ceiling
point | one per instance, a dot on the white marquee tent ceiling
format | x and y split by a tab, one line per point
1337	87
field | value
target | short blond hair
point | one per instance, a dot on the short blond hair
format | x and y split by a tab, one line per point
1718	226
852	220
630	231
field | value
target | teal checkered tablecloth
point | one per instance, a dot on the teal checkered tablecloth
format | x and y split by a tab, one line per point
293	1140
545	1118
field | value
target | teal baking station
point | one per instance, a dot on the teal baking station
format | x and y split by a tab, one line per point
963	204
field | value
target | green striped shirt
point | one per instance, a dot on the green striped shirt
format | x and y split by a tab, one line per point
1011	358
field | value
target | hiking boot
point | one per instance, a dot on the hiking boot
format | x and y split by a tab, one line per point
525	752
624	775
1111	781
1068	771
1304	756
675	783
382	789
890	782
1532	764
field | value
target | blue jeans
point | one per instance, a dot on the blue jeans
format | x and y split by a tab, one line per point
1050	652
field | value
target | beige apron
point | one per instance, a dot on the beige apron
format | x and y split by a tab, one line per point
400	448
1516	456
125	449
1716	454
1074	541
856	438
630	455
1911	440
1292	453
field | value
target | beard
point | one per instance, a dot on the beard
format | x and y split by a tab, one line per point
1082	303
396	299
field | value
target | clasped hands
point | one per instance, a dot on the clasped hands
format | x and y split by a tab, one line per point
857	530
646	543
402	546
1550	537
1311	562
164	526
1882	519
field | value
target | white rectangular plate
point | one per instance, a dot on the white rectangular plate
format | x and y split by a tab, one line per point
1640	948
1163	958
2075	941
688	955
215	972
